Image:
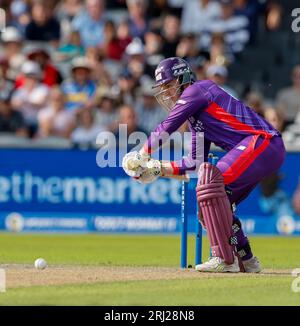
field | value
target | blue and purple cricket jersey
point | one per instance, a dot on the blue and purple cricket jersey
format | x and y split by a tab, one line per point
254	148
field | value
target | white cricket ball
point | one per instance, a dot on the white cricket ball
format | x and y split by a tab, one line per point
40	263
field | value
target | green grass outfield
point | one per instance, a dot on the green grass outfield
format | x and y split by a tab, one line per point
161	251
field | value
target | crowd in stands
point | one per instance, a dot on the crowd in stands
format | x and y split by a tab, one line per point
72	68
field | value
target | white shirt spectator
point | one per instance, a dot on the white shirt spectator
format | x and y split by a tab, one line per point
196	17
235	30
82	135
59	122
31	101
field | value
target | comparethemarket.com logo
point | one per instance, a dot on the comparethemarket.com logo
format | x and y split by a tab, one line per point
2	20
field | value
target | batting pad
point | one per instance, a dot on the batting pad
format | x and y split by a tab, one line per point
216	210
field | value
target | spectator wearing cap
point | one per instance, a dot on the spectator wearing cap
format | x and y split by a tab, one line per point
50	74
288	99
235	29
136	59
90	23
80	89
137	21
11	121
54	120
219	74
198	14
149	113
43	25
12	46
86	133
170	34
32	96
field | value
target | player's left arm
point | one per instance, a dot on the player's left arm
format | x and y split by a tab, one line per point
192	101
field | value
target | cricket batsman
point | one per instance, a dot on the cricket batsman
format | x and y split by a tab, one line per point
254	149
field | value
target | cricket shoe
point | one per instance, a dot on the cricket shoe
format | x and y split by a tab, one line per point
218	265
252	265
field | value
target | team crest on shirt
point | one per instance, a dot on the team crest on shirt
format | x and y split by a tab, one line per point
196	124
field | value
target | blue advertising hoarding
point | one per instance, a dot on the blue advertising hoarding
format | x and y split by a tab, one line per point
59	190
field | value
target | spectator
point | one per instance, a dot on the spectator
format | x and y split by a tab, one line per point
20	16
43	25
156	10
80	89
106	113
171	35
123	35
275	118
220	52
86	133
198	14
126	88
234	28
50	75
148	111
136	60
113	47
11	121
187	47
6	85
129	118
251	10
200	65
32	96
288	99
99	74
274	16
65	11
90	23
138	24
153	46
71	49
255	101
219	74
54	120
12	43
